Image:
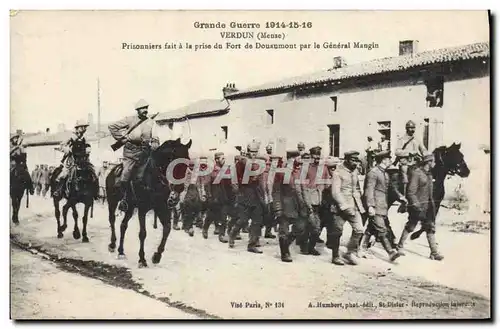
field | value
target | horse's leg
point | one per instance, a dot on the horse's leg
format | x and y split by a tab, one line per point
123	230
155	223
88	204
142	236
112	204
65	216
58	215
165	218
76	230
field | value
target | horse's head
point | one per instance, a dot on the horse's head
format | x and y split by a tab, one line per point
169	151
452	160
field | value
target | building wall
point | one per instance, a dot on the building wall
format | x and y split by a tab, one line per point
307	118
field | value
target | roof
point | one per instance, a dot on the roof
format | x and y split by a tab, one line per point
376	66
57	138
202	108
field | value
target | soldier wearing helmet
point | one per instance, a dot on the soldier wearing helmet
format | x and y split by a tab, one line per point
409	142
76	149
18	158
138	142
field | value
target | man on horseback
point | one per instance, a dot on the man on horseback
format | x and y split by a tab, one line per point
18	159
410	143
138	136
76	152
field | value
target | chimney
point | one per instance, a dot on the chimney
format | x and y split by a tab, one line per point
338	62
408	47
229	89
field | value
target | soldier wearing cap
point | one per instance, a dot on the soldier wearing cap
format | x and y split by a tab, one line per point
313	187
18	158
421	207
376	195
194	197
301	147
250	201
327	204
288	206
138	143
346	193
75	149
102	174
409	142
221	195
268	220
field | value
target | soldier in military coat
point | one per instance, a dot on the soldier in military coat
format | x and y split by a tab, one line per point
138	144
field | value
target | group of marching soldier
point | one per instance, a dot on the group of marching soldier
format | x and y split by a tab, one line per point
285	201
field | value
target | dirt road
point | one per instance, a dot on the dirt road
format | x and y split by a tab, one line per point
41	290
205	278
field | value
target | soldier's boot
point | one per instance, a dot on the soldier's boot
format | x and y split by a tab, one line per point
252	245
245	229
285	251
269	234
232	236
393	253
303	243
364	245
435	255
222	234
123	206
352	249
206	226
402	240
311	247
217	230
335	245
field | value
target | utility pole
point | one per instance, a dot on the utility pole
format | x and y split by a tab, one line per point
98	113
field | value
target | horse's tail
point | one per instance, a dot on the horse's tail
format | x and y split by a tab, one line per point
27	198
92	209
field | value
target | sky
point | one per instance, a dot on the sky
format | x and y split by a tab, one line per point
57	56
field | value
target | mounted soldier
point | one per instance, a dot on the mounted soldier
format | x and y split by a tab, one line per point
76	153
18	159
410	143
138	138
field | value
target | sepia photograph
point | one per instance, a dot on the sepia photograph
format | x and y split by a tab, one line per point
250	165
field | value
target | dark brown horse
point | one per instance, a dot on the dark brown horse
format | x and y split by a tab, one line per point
150	190
82	189
448	161
20	181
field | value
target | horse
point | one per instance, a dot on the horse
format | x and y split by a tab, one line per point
448	161
148	191
82	189
19	182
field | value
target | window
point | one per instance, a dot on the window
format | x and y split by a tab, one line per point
435	88
270	117
334	107
224	133
334	140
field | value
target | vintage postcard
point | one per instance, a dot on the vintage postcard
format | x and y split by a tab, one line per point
250	164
